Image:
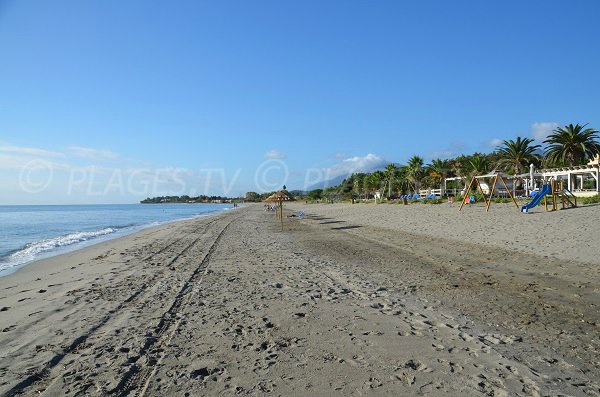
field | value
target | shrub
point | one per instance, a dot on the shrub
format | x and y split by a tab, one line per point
589	200
502	200
433	201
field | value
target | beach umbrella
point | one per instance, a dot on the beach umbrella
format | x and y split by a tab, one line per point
531	184
279	198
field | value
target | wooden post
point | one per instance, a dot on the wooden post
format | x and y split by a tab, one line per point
281	213
482	193
492	193
467	193
509	193
554	195
486	199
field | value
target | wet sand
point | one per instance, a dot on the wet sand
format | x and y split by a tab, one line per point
350	300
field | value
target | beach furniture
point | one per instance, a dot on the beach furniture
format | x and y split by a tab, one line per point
299	214
278	198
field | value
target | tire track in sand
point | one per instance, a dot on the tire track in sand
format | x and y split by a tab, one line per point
136	380
44	375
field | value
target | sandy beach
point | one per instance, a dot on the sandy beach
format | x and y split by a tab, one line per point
351	300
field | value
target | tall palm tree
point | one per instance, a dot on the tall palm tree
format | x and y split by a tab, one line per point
516	154
572	144
401	183
414	171
390	173
358	183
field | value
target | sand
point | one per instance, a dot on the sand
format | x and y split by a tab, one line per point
351	300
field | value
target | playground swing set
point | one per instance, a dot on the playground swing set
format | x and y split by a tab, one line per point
488	200
552	191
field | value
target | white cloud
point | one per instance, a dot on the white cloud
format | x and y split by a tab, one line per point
368	163
29	151
495	142
539	131
12	162
340	155
275	154
95	154
22	163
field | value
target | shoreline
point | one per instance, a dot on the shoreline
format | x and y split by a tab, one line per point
93	246
80	245
335	304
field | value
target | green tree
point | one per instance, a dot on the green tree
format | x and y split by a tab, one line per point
390	173
402	181
316	194
415	171
478	164
571	144
374	181
459	166
359	184
438	169
514	155
252	196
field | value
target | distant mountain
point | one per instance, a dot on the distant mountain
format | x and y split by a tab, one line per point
329	183
294	193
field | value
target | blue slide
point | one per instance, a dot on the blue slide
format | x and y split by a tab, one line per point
546	189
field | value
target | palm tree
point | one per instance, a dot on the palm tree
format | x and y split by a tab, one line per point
572	144
390	172
478	164
358	183
515	154
414	171
438	169
401	183
374	181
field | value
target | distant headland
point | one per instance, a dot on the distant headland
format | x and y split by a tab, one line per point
188	200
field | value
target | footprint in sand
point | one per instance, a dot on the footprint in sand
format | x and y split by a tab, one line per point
299	315
406	377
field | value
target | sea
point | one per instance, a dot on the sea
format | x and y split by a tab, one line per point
32	232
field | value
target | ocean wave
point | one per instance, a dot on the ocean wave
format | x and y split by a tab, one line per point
33	250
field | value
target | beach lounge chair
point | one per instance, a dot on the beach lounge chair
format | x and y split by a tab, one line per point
416	196
299	214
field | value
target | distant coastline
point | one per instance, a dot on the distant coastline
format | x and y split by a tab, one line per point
189	200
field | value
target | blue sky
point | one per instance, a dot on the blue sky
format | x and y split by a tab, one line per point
113	101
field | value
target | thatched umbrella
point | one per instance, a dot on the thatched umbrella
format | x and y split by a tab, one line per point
279	198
